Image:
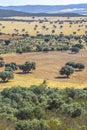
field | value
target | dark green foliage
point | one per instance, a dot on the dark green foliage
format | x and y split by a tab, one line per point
39	113
8	68
38	43
74	109
33	65
26	49
25	113
6	75
7	42
38	90
75	65
32	125
71	93
75	49
41	108
1	63
22	125
70	63
46	49
46	39
38	48
12	65
80	66
19	50
27	66
65	48
67	70
80	46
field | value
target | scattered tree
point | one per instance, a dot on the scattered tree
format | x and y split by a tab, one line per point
67	70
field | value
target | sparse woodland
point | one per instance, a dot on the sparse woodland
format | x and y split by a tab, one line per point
55	51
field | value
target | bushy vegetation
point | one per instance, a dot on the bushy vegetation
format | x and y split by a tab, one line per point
75	49
67	70
41	108
27	66
12	65
79	66
70	67
1	62
43	43
8	74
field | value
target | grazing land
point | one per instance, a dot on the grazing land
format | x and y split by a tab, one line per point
43	72
47	67
35	34
44	25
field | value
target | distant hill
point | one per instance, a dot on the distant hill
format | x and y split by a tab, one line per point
73	8
10	13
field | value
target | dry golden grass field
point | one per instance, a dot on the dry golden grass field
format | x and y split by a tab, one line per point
35	27
48	64
47	67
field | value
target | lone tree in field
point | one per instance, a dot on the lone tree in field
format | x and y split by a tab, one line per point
67	70
27	66
6	76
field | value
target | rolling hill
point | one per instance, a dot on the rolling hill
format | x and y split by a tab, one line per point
10	13
73	8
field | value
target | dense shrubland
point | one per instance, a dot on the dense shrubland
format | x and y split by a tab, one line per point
44	42
41	108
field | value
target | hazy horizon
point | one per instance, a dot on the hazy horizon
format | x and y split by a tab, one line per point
40	2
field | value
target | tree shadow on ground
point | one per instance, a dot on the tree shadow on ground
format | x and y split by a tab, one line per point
3	82
78	70
23	72
61	77
72	53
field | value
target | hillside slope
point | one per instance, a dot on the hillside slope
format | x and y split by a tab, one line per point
73	8
10	13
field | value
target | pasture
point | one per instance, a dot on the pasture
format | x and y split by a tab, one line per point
47	64
47	68
44	25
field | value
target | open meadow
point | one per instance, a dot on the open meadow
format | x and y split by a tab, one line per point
44	25
48	64
43	67
47	68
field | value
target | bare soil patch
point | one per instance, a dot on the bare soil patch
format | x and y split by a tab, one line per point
6	36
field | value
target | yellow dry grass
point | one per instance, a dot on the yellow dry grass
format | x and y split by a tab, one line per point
29	27
27	81
48	18
47	67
